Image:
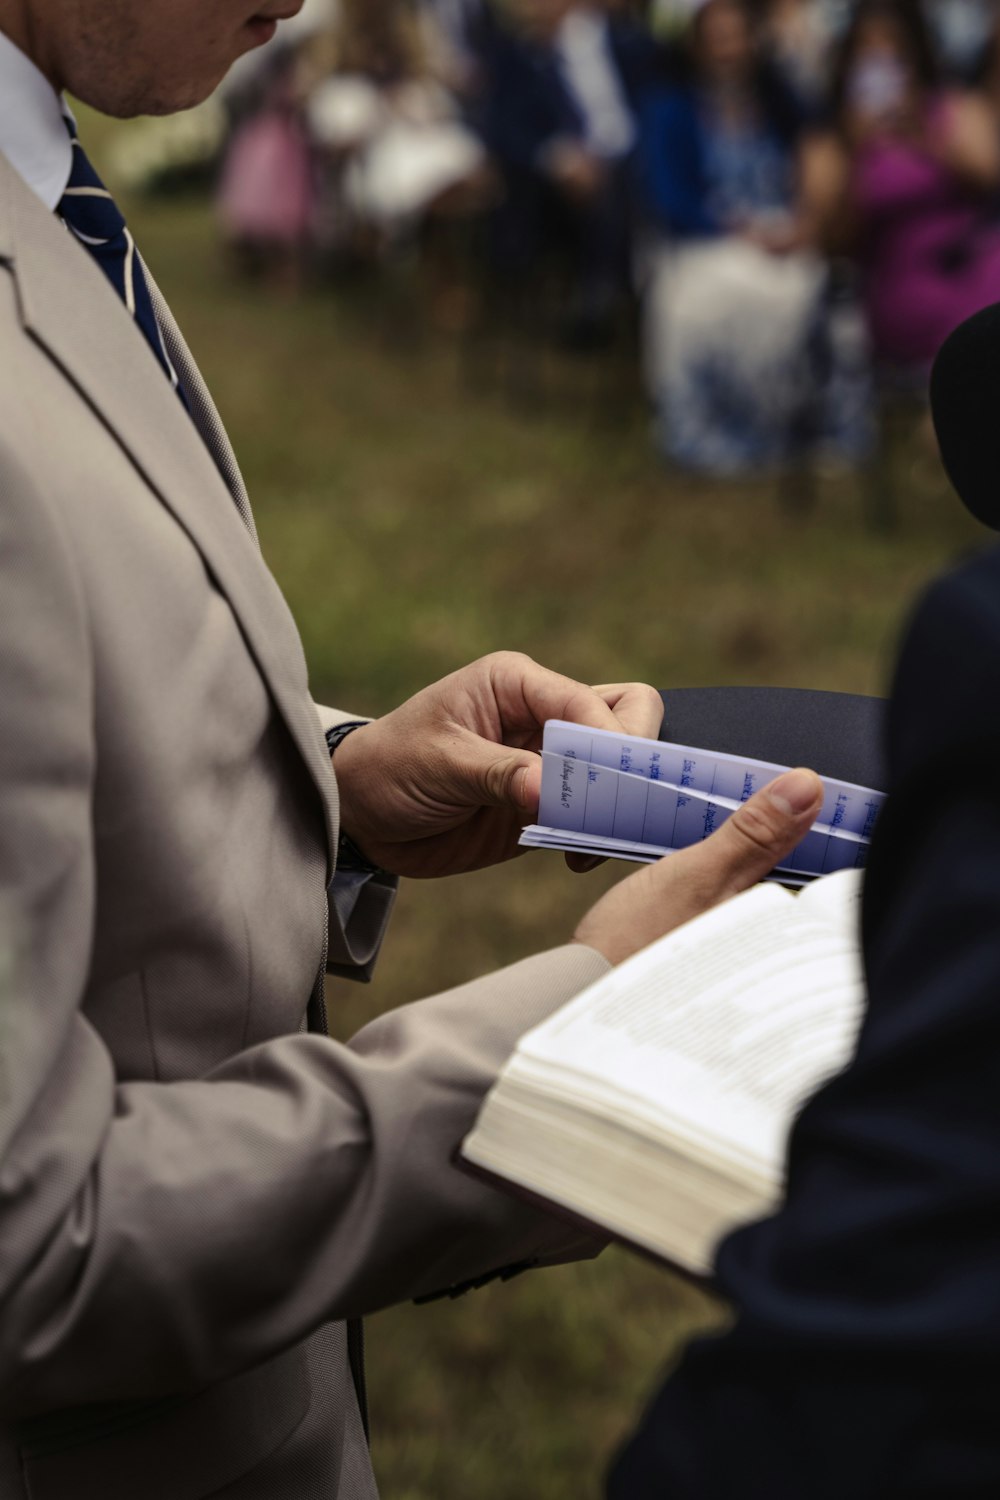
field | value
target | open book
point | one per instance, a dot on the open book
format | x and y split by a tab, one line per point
657	1104
638	799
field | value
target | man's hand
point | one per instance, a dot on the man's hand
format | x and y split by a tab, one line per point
660	897
575	171
446	782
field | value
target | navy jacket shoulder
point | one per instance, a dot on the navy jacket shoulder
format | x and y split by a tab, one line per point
528	103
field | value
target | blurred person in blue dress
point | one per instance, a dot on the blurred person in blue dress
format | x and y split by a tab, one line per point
737	194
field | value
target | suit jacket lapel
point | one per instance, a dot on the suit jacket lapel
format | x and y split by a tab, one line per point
68	306
204	412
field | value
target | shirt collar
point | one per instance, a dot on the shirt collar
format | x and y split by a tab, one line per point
33	136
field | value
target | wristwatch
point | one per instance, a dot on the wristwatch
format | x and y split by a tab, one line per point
349	856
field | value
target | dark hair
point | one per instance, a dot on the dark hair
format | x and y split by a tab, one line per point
776	99
749	10
908	17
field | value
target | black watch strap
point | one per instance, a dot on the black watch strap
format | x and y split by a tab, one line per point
349	856
340	732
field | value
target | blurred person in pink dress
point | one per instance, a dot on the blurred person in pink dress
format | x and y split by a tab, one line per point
922	170
267	192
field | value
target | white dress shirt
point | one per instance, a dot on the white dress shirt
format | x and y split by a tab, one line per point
583	52
33	136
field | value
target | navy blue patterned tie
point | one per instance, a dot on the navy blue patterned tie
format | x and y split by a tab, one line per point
91	214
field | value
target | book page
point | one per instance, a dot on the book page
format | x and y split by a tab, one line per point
836	901
580	798
720	1030
670	796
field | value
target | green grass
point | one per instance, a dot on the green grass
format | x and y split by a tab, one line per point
416	520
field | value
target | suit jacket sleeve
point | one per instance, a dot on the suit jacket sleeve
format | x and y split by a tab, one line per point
155	1238
863	1361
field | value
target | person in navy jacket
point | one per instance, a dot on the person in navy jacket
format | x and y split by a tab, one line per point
864	1359
564	81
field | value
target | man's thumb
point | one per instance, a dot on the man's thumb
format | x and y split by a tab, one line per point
509	778
766	829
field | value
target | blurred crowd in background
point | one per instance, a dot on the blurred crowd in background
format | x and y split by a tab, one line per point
792	201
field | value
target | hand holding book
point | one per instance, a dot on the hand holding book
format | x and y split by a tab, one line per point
655	1105
727	821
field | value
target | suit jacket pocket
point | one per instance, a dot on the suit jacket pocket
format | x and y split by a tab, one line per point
177	1449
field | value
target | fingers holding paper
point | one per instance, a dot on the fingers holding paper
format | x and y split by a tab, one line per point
637	708
748	845
445	783
638	711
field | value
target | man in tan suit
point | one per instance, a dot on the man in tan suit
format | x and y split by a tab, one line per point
198	1199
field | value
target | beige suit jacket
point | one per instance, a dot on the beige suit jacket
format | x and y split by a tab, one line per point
193	1192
